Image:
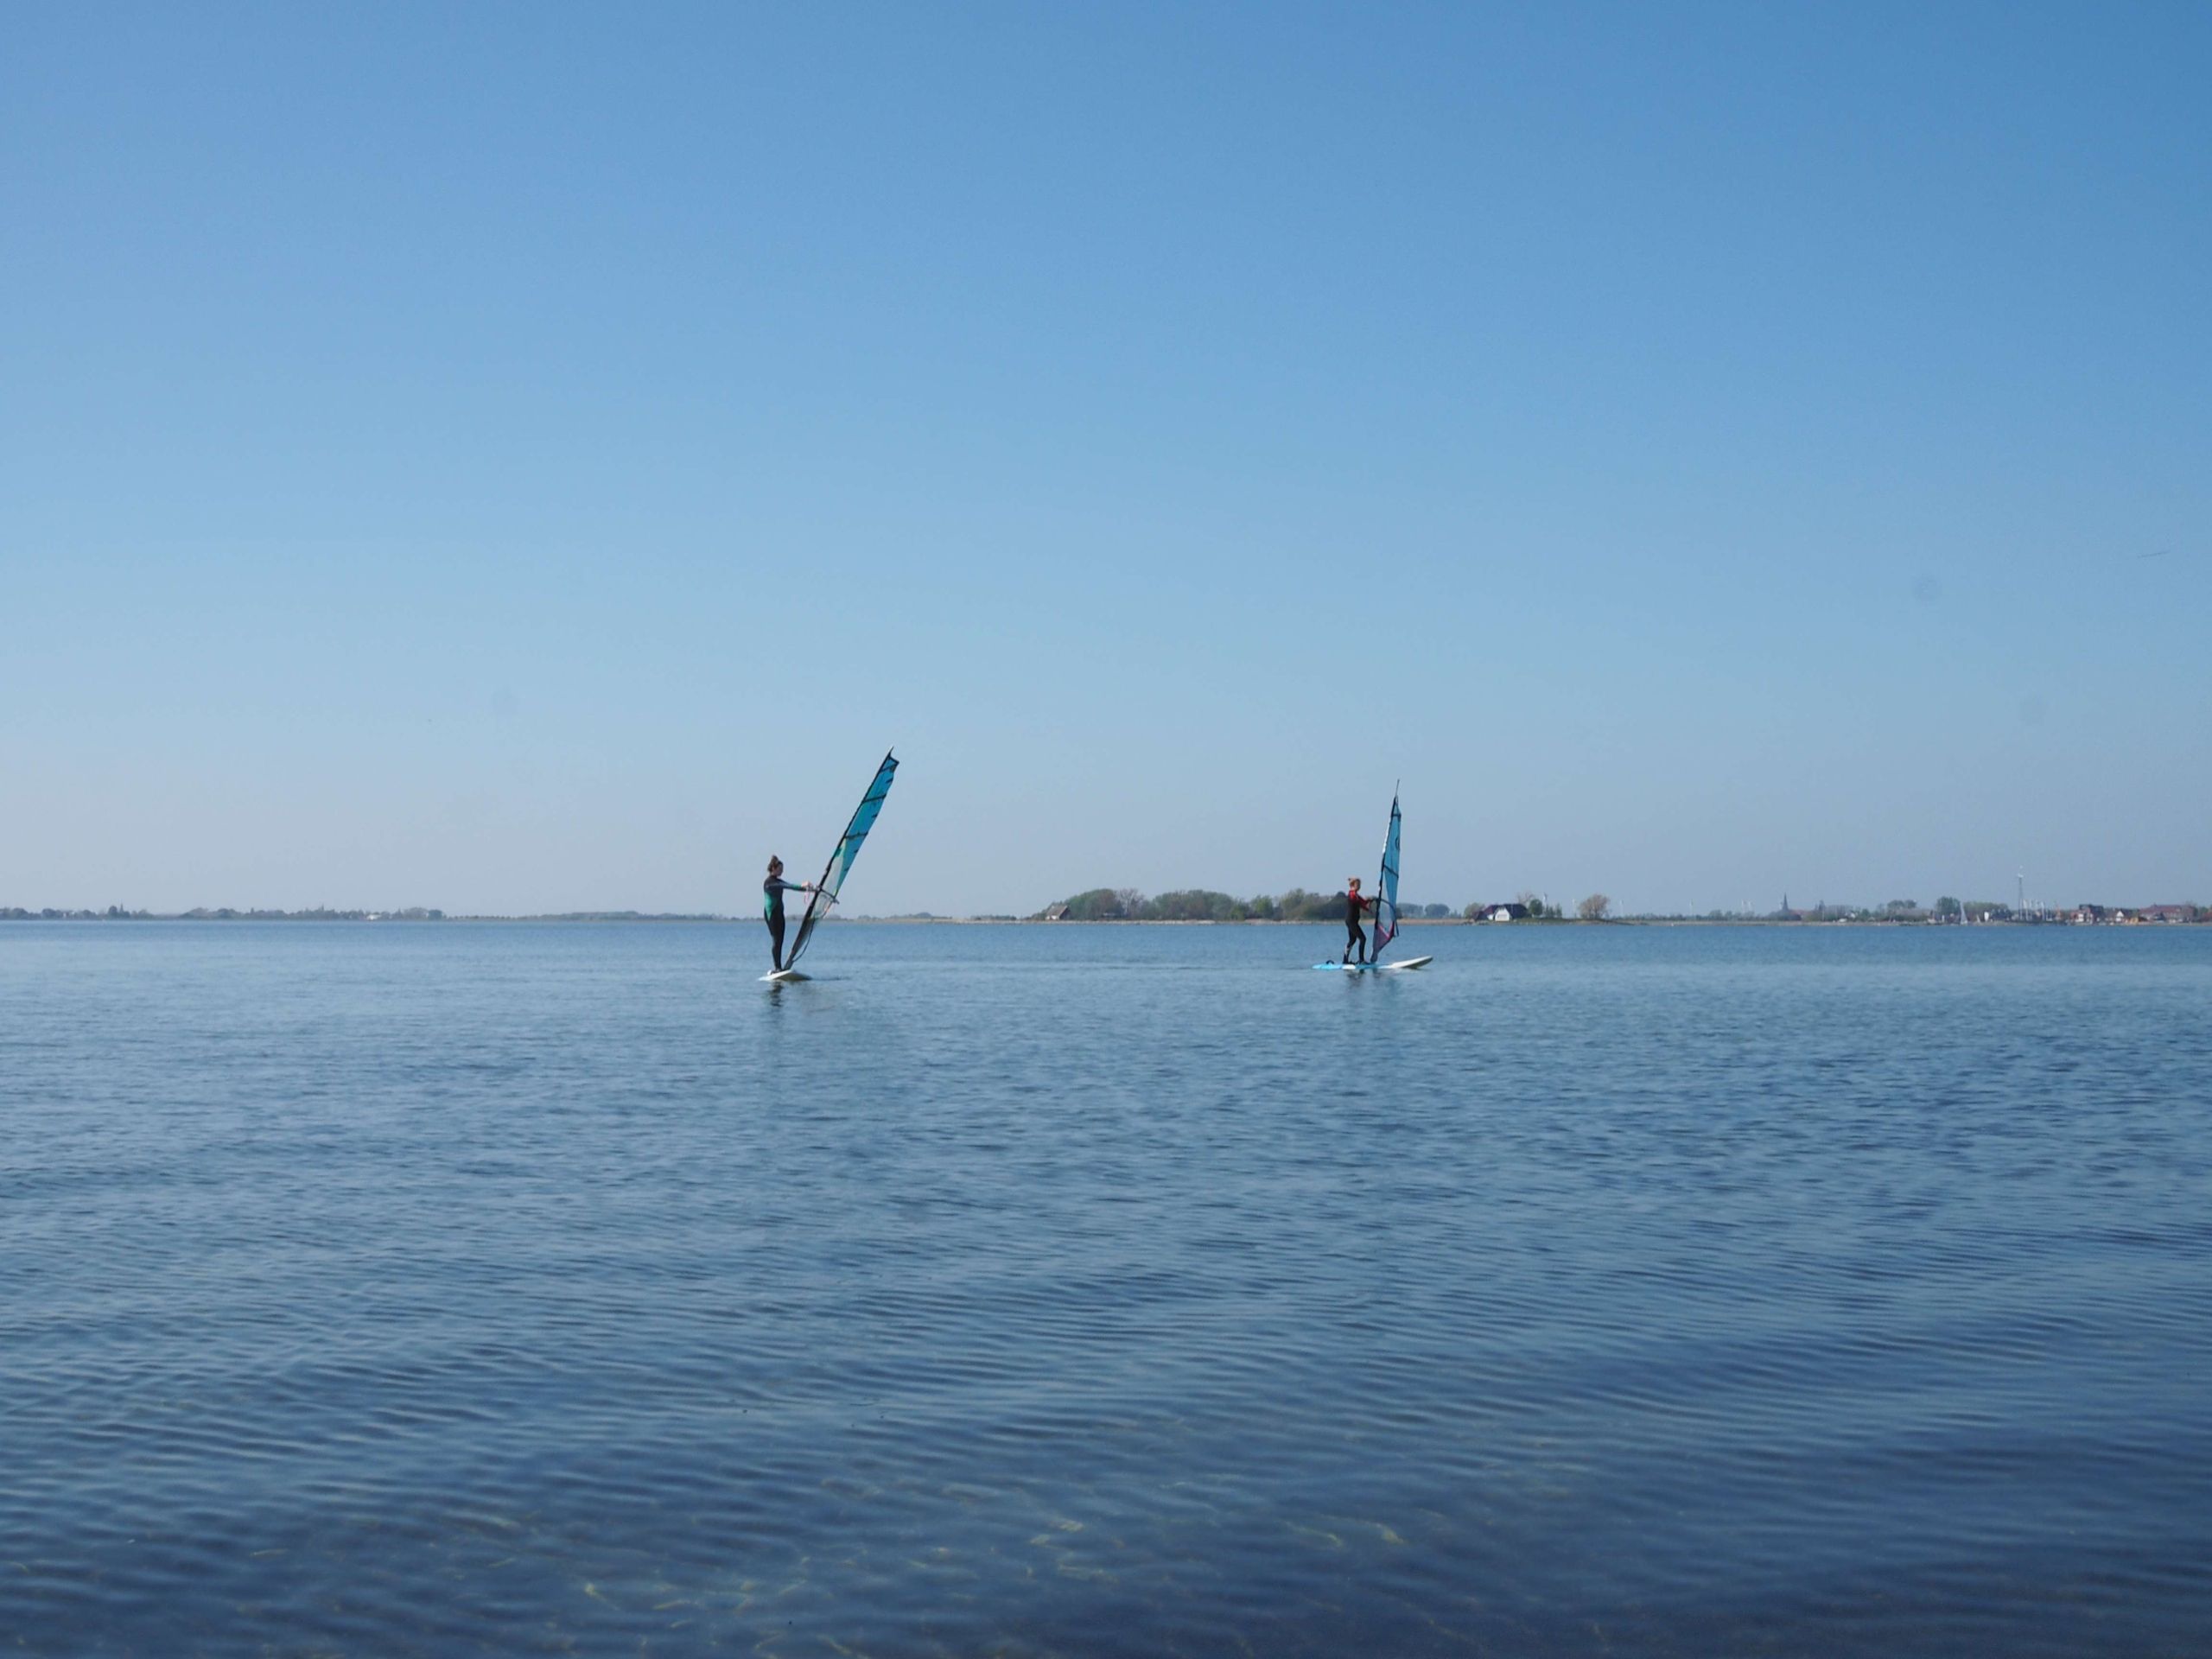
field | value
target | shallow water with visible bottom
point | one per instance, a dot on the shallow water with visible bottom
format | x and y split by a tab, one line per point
453	1288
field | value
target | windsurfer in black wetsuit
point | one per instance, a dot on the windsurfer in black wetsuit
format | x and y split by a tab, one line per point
1354	938
772	906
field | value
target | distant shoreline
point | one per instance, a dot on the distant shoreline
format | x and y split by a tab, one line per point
632	917
625	917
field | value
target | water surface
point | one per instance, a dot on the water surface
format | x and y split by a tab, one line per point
442	1288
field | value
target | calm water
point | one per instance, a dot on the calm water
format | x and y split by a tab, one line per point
444	1289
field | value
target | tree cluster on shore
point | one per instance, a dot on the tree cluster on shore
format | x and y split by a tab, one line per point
1200	905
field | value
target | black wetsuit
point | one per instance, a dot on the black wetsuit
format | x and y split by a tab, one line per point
772	908
1354	939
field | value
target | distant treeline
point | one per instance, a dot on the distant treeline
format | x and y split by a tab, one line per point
602	916
117	913
1202	904
411	913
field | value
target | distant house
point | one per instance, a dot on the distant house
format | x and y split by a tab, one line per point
2169	912
1506	913
2085	914
1056	912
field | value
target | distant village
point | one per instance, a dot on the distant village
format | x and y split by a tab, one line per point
1954	912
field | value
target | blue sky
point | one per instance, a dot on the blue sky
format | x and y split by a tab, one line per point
536	457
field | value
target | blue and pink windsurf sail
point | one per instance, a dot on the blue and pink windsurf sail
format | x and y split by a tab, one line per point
849	848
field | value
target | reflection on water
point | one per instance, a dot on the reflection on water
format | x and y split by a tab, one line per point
564	1289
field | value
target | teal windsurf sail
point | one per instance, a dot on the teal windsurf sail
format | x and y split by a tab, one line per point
841	862
1386	890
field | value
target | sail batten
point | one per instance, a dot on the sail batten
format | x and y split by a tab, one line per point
841	861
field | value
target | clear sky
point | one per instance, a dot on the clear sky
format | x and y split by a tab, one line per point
538	457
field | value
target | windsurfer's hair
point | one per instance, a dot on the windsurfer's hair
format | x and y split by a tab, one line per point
774	862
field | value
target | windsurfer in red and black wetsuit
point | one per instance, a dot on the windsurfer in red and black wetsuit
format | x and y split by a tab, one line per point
1354	938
